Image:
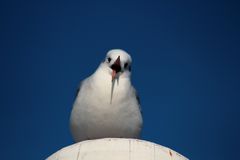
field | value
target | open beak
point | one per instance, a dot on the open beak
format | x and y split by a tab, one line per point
116	67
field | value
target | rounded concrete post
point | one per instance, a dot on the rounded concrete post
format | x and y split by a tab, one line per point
116	149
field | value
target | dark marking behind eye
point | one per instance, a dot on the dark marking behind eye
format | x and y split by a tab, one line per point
130	68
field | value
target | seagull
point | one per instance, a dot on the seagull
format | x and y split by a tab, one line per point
106	103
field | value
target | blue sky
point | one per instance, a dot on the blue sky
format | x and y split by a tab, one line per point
185	68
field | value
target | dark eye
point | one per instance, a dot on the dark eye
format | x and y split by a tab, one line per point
125	65
109	59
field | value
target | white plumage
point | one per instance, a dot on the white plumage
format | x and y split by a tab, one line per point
106	104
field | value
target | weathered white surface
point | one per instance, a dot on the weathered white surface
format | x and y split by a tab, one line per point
116	149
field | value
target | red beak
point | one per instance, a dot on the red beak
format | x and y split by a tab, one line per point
116	67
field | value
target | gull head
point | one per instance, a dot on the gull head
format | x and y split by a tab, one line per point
117	63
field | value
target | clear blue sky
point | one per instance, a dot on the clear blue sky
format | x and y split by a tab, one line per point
185	67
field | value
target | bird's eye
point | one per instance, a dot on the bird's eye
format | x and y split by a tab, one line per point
109	59
125	65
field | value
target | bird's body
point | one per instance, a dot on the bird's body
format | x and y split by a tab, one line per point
98	114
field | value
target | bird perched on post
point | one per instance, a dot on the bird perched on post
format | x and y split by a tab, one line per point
106	104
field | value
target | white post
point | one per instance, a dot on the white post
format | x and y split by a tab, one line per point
116	149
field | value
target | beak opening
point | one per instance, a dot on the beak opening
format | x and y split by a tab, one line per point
116	67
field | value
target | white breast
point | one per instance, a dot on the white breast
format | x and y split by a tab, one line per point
93	116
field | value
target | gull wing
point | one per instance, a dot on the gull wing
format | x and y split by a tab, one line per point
138	100
78	89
